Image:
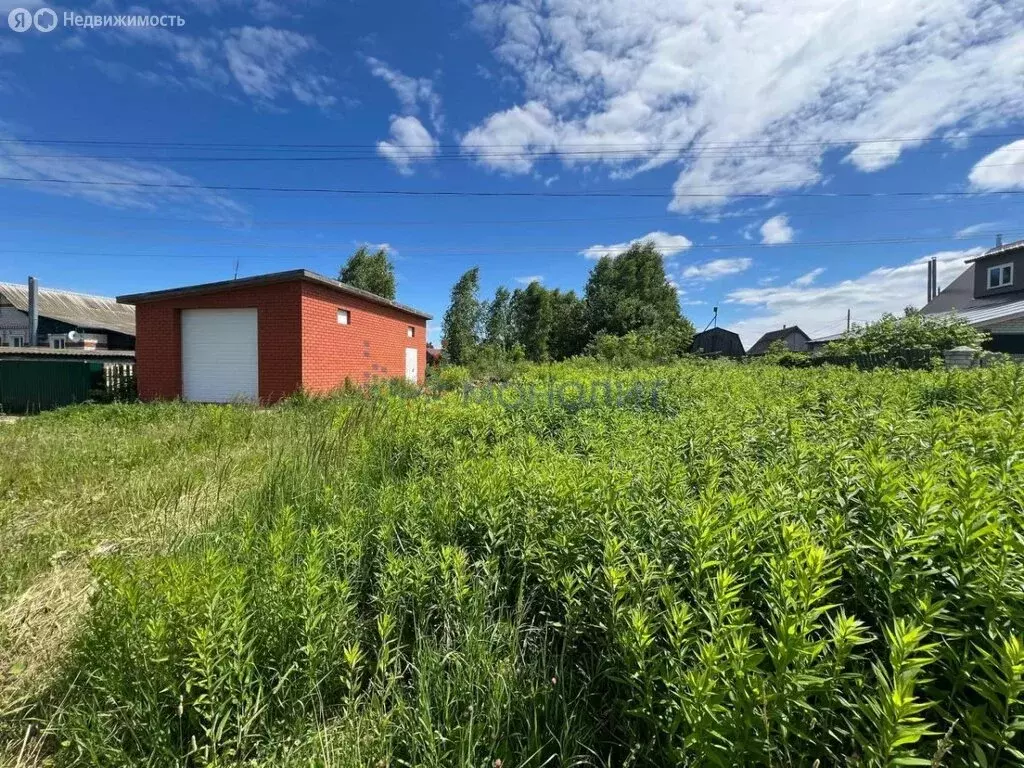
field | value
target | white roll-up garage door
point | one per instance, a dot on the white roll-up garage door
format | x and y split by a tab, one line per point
219	355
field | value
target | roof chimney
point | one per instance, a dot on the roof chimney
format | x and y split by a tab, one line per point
33	312
999	241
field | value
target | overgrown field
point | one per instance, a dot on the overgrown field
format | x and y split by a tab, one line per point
698	565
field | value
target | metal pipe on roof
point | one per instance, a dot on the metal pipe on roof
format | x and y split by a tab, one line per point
33	312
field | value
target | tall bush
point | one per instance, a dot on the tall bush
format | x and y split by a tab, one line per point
914	332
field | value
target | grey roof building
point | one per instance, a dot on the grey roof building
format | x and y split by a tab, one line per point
794	339
989	295
98	319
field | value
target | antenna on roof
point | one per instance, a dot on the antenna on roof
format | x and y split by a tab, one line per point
712	321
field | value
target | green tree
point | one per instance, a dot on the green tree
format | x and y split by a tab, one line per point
371	272
462	319
568	332
913	332
532	318
498	320
630	293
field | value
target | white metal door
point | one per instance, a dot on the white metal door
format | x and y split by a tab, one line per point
412	372
219	355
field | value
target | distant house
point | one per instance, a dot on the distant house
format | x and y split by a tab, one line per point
989	295
819	344
433	355
717	341
792	337
97	323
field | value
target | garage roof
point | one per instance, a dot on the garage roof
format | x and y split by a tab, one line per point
270	279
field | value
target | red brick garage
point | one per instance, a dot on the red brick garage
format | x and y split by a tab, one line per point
269	336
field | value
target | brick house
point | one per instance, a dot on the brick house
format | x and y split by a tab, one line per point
266	337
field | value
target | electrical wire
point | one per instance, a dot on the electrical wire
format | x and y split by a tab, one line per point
587	146
725	193
481	250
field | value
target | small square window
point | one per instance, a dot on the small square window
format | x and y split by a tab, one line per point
344	317
17	341
411	333
1000	276
57	343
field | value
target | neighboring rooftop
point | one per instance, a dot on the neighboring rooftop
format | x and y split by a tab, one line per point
9	353
79	309
828	339
999	250
762	344
986	313
269	279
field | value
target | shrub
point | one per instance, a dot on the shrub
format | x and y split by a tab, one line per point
448	378
922	335
642	347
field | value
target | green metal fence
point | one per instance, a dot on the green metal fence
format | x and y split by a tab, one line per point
30	386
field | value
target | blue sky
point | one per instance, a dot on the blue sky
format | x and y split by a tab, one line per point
742	138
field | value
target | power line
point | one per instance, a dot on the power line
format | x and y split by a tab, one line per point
484	250
686	145
13	223
725	193
593	155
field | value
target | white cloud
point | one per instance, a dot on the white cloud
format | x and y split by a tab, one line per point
412	92
667	245
776	230
268	64
1000	170
22	161
496	142
808	279
975	229
527	279
821	309
374	247
749	97
712	270
263	62
409	143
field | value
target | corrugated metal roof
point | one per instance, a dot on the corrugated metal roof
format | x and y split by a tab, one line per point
999	250
121	355
78	309
985	316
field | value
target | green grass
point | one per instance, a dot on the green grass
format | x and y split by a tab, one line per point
757	566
